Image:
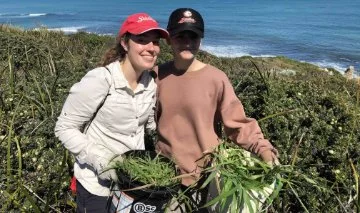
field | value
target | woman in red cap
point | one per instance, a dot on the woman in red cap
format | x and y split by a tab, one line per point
114	103
186	119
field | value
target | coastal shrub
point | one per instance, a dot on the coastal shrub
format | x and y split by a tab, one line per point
37	70
310	114
312	118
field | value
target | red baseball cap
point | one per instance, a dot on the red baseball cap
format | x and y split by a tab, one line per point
140	23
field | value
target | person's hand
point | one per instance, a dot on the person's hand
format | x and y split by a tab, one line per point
101	159
107	172
270	157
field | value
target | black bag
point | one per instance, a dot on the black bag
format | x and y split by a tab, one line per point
149	199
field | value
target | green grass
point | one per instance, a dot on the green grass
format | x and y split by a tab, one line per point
148	170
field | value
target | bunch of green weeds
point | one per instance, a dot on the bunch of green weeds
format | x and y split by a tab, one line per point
245	182
153	171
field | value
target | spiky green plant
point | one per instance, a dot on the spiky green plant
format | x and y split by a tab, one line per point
148	170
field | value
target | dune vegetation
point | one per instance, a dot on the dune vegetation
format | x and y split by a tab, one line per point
310	114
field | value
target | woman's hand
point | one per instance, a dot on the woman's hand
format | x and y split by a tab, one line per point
101	159
107	172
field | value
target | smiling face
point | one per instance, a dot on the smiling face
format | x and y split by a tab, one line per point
142	50
185	45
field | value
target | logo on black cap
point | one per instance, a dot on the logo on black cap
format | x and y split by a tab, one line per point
187	14
187	18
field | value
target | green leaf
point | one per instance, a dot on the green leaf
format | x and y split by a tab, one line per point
211	177
222	196
247	202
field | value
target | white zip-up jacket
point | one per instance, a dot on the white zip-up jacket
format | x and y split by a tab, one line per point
118	125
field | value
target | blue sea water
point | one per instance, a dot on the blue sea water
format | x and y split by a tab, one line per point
322	32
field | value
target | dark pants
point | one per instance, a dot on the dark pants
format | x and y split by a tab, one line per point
89	203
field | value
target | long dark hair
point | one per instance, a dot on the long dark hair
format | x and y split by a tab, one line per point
116	52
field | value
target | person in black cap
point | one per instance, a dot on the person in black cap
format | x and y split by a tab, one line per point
192	97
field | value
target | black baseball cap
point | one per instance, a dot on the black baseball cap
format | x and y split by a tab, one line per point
183	19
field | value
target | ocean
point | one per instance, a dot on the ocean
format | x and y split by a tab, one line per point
321	32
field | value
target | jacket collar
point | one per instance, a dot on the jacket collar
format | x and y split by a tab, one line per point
120	82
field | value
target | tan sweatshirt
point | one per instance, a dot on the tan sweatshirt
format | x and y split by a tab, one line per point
188	106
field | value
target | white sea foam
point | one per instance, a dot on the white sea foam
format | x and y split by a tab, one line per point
266	55
37	14
22	15
238	51
226	51
231	51
69	30
327	64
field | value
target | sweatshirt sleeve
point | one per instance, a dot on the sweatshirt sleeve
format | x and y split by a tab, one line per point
82	102
240	129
